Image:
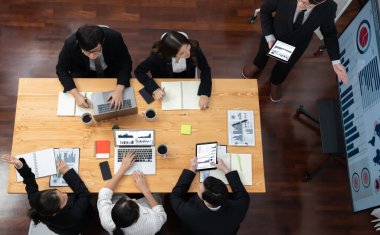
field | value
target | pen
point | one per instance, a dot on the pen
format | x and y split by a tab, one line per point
245	120
85	97
238	157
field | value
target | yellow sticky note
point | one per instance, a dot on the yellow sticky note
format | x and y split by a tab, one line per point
185	129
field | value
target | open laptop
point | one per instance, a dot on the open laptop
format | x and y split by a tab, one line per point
142	143
101	107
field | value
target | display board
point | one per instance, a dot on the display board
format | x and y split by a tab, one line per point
360	104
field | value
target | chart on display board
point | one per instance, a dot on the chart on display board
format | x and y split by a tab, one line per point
360	105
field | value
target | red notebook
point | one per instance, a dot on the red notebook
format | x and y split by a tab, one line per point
102	148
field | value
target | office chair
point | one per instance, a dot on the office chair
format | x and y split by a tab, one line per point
330	126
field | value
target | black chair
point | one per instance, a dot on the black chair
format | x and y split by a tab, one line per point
330	126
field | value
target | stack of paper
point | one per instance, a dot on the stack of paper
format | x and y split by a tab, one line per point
180	95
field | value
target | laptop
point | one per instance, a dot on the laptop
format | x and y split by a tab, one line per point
142	143
101	107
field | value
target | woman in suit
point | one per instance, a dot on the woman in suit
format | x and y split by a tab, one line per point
175	56
61	213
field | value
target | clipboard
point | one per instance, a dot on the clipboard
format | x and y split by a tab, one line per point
281	51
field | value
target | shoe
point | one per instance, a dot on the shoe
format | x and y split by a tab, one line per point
275	93
250	71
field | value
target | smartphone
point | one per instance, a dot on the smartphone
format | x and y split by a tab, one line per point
146	96
105	169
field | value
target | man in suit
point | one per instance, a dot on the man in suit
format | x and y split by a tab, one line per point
212	210
91	52
294	23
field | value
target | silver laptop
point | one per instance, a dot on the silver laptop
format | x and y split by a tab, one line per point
101	106
142	143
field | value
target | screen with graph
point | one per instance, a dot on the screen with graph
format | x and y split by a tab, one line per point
360	103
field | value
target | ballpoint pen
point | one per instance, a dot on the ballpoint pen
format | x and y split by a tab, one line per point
85	97
239	160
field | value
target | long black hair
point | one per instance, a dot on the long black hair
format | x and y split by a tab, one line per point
170	44
216	192
47	204
124	213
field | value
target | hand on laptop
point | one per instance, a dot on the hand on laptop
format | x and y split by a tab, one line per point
203	101
116	97
128	160
221	166
193	164
11	160
158	94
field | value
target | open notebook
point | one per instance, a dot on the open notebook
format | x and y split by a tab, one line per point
242	163
41	162
180	95
68	107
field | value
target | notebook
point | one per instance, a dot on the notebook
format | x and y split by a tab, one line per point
41	162
102	149
102	109
180	95
141	142
71	157
68	107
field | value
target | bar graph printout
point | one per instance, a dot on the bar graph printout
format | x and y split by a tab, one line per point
360	104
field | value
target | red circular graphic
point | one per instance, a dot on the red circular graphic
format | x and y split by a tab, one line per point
365	177
355	182
363	37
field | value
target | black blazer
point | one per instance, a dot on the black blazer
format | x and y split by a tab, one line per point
78	212
72	62
281	25
162	68
197	219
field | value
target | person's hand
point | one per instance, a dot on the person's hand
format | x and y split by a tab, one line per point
140	182
158	94
203	101
221	166
341	73
62	167
83	101
193	164
128	160
116	97
270	43
12	160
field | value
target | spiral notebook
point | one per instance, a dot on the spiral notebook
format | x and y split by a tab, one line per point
41	162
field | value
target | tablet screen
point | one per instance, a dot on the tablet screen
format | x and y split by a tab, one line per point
281	51
206	154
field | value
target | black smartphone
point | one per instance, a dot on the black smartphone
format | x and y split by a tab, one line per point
105	169
146	96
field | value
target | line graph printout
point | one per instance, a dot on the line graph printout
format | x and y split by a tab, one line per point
360	106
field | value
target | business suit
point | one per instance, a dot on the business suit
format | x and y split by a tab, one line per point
73	63
197	219
77	213
162	68
281	26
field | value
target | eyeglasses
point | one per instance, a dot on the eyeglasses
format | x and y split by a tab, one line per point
308	5
94	51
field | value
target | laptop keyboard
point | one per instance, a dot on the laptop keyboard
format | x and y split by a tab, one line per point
142	154
105	108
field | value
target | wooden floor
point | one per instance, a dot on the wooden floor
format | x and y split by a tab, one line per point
32	33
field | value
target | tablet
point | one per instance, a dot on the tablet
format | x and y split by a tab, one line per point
206	154
281	51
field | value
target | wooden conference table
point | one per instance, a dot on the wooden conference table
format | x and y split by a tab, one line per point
38	127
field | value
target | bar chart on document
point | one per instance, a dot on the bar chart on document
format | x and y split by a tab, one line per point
360	104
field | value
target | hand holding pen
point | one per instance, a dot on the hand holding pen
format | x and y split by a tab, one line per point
159	94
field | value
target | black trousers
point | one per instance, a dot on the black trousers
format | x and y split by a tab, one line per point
280	70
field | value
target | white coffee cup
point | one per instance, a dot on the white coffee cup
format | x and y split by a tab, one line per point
162	149
150	114
87	119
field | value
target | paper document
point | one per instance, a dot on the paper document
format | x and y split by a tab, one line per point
68	107
180	95
41	162
241	131
71	157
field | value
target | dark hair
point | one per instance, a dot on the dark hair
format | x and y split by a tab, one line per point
216	192
315	2
124	213
89	36
47	204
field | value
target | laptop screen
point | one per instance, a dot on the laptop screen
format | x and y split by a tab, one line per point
134	137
